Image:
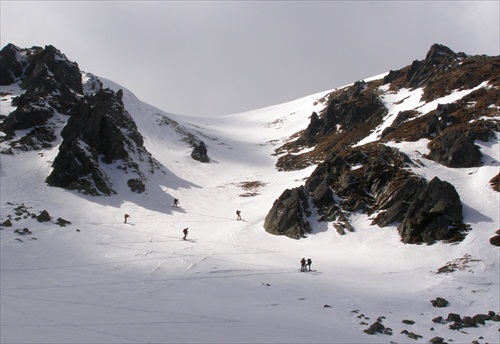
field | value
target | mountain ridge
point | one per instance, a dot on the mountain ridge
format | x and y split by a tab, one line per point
362	275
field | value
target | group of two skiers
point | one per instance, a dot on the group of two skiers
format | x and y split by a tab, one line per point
304	264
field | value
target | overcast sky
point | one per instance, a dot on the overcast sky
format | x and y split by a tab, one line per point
206	58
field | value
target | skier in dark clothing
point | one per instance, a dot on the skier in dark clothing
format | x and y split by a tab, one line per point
176	202
309	262
303	264
238	215
185	231
126	217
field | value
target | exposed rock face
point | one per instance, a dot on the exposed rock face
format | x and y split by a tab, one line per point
422	71
434	214
100	130
382	183
495	240
454	149
313	128
377	179
288	214
356	106
52	84
352	108
98	134
11	66
200	152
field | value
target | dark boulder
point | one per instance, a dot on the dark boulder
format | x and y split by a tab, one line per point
6	223
437	340
434	214
481	318
23	231
26	117
200	152
62	222
376	327
43	216
438	320
454	149
454	317
439	302
288	214
495	240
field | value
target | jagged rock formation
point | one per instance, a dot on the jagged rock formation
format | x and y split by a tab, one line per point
98	133
288	214
200	152
52	85
100	130
376	179
454	149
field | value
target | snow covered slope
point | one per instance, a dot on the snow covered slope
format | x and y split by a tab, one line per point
100	280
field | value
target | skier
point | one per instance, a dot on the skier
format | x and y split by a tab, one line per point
309	262
126	217
176	202
303	264
238	215
185	231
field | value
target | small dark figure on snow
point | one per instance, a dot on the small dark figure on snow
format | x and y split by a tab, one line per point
176	202
303	264
185	231
126	217
238	215
309	262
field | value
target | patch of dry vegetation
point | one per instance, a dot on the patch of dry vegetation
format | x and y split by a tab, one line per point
251	188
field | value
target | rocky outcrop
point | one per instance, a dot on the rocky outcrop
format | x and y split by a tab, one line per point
495	240
200	152
434	213
288	214
12	64
423	72
100	131
372	179
351	114
376	179
313	128
454	149
98	134
353	107
52	84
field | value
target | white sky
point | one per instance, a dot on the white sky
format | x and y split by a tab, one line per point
207	58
